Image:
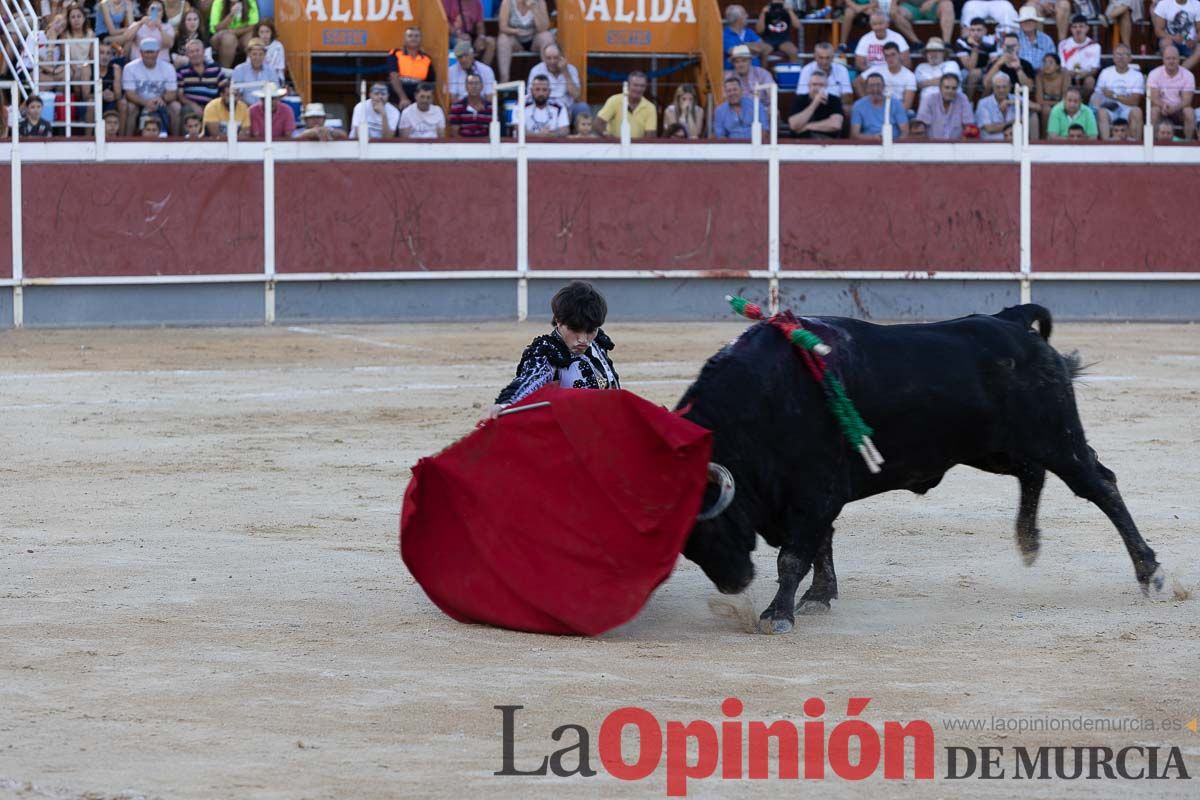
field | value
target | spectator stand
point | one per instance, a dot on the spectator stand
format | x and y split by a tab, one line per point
335	29
689	31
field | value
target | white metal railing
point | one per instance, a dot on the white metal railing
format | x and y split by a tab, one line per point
68	84
19	43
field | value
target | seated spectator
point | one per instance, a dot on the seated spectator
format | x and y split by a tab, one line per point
1119	132
283	122
916	130
563	77
1164	132
253	70
276	58
1120	94
1002	11
1035	44
524	25
1019	71
1049	88
947	112
112	97
777	26
193	126
191	29
543	116
836	75
973	51
737	32
817	114
217	115
381	118
412	66
150	85
852	11
1059	9
465	18
32	126
1080	56
905	13
583	126
112	125
734	119
867	116
231	25
315	128
1177	24
996	113
929	74
153	26
898	80
466	64
685	110
753	79
869	50
114	18
151	128
422	119
471	116
1076	133
1123	13
198	79
1071	111
1172	89
643	116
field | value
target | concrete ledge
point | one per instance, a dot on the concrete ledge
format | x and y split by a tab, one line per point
132	306
396	301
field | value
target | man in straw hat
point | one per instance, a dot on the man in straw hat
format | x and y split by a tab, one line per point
315	129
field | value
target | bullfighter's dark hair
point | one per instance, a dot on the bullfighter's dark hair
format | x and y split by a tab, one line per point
579	306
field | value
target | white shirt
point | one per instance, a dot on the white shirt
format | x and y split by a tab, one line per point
1130	82
871	48
896	83
558	83
1181	19
547	119
927	72
838	78
457	80
149	83
276	59
1086	55
423	124
374	122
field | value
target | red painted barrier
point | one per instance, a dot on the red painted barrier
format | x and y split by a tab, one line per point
348	216
1113	218
5	222
959	217
666	215
142	219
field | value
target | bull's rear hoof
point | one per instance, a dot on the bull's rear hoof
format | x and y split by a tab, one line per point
1161	586
813	607
774	626
1029	554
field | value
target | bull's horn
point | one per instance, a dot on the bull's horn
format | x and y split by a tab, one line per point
720	476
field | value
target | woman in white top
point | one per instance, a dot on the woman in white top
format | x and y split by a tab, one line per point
685	110
276	57
524	25
151	26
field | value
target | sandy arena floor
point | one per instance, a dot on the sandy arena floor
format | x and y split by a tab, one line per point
201	595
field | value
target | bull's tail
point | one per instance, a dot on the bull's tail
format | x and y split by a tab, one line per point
1027	314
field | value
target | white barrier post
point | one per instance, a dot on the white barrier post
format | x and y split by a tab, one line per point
773	204
522	210
363	128
626	130
1148	130
98	104
756	124
269	202
1026	200
886	131
14	181
494	125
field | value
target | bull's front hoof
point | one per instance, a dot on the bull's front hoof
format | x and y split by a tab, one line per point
1029	552
814	607
771	625
1161	586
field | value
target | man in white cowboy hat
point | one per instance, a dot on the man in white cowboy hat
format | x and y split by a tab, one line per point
753	79
315	129
929	73
1035	43
283	122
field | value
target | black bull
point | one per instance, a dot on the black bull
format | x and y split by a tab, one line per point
985	391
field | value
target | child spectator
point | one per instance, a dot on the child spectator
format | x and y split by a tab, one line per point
574	354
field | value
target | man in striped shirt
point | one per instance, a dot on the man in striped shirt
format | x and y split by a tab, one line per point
199	81
470	116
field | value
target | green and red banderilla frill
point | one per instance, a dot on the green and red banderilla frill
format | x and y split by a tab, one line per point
813	351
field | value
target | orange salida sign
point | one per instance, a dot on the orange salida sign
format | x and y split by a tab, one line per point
348	25
658	26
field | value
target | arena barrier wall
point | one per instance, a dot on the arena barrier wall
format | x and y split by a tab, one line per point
247	233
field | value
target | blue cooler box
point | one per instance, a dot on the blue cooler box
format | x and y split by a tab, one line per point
787	76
